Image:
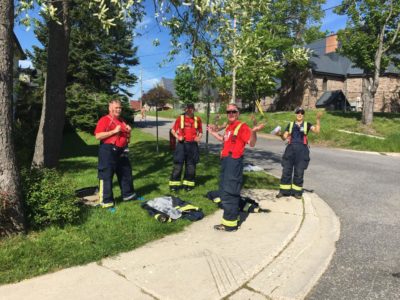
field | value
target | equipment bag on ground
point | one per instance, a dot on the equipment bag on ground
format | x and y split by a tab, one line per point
169	208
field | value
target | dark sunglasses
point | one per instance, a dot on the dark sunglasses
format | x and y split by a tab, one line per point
231	112
300	112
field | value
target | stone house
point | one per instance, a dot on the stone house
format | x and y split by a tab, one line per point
331	72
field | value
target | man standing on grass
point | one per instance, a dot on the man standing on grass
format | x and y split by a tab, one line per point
235	138
114	135
188	131
297	155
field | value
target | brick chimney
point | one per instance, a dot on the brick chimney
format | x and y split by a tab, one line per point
331	43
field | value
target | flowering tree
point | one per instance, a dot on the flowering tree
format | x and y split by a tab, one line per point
240	39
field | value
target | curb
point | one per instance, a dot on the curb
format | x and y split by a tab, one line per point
293	273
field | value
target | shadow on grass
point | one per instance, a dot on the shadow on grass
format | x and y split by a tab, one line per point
73	146
147	189
77	166
203	179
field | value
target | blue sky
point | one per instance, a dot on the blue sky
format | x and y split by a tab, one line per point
150	56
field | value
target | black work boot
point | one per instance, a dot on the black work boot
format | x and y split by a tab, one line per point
222	227
280	195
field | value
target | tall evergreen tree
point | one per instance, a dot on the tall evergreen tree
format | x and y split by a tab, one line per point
99	62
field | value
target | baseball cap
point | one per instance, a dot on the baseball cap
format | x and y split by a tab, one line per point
299	110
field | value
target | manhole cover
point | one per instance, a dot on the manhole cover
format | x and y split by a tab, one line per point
396	275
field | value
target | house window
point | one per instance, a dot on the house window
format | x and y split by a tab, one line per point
325	84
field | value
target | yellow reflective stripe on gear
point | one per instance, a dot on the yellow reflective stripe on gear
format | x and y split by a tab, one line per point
217	200
291	127
285	186
305	126
247	207
187	207
296	187
235	132
182	121
106	205
195	122
188	183
174	183
101	191
229	223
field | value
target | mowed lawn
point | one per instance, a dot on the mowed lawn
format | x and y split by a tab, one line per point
101	233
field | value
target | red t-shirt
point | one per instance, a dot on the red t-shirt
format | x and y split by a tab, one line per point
108	123
189	132
235	145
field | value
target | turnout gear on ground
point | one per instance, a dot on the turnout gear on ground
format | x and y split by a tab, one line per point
295	160
169	208
113	159
186	152
246	204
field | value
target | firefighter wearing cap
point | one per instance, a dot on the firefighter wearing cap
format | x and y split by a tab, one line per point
188	131
297	154
237	134
113	134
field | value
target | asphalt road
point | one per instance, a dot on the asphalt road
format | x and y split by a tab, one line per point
364	191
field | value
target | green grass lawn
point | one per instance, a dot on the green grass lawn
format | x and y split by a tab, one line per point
101	233
386	125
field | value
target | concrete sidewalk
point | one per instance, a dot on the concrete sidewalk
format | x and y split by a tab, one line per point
278	255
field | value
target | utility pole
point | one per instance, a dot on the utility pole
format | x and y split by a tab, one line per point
233	100
141	87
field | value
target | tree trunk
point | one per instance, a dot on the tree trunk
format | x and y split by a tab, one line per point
370	85
11	211
50	133
368	101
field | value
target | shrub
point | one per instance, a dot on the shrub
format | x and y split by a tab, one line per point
49	198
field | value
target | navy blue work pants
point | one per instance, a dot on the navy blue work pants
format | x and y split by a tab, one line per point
114	160
230	185
294	161
186	153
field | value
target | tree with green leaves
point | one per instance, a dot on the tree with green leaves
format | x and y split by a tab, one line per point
239	38
296	16
157	96
98	65
57	17
186	85
370	40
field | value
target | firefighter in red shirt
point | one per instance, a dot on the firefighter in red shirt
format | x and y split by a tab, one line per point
188	131
114	135
235	138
